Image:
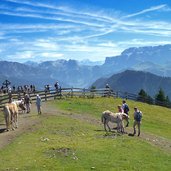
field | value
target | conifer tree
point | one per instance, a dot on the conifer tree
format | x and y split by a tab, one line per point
143	96
142	93
160	96
168	102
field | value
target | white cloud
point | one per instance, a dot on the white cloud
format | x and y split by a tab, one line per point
108	44
21	55
45	44
68	32
51	55
142	42
154	8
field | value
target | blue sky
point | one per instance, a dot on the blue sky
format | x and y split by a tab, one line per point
41	30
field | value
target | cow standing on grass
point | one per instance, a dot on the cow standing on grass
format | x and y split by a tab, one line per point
11	116
108	116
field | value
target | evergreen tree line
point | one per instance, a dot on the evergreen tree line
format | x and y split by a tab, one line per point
159	99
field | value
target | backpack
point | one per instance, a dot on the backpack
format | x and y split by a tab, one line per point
126	109
138	116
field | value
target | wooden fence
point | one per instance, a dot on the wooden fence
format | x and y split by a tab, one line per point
79	92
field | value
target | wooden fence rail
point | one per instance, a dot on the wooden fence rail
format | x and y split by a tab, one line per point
79	92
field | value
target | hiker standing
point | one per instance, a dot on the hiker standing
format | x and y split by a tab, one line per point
27	102
125	108
137	120
38	104
107	90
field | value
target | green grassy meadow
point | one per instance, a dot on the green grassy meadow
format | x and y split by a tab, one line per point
72	138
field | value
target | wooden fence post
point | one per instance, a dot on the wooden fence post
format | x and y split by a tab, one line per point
117	94
45	95
72	92
84	92
55	94
60	92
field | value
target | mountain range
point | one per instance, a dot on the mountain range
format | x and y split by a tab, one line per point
154	59
72	73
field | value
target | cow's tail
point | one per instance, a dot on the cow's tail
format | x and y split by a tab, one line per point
103	119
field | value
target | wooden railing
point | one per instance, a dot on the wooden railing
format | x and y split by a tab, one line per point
80	92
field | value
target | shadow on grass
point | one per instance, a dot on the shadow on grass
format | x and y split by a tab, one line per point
2	130
112	134
131	134
99	130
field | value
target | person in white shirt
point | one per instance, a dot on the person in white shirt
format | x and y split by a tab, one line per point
38	104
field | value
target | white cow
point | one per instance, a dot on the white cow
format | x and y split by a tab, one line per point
108	116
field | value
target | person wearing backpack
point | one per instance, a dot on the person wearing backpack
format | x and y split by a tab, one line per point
27	102
125	108
137	120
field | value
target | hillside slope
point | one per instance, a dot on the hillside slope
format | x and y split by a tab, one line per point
132	81
69	137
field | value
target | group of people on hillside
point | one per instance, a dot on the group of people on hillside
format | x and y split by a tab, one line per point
26	98
124	108
19	89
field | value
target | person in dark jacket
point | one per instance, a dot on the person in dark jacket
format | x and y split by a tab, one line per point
27	102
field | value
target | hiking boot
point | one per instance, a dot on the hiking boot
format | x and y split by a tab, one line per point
127	125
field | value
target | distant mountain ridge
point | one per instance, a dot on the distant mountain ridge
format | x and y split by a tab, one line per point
20	74
160	56
133	81
68	73
72	73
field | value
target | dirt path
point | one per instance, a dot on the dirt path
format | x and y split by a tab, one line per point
27	121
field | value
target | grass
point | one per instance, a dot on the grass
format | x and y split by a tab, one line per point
156	119
67	142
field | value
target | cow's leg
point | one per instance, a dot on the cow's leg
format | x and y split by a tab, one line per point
13	121
108	125
7	121
16	120
105	127
118	126
105	124
122	127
